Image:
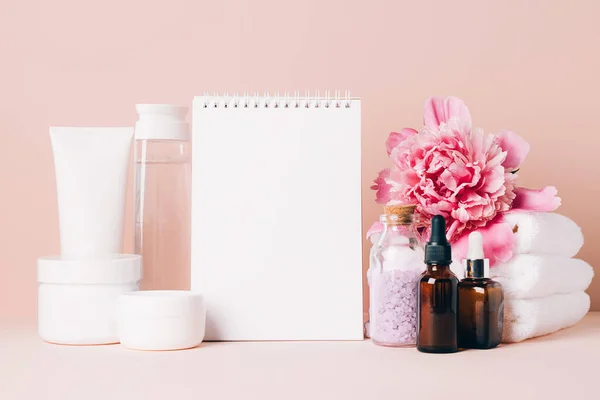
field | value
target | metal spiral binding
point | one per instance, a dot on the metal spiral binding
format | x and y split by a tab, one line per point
287	100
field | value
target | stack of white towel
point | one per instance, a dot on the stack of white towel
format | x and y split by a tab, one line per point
543	284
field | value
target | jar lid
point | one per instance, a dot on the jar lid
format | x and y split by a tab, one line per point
161	319
117	268
159	303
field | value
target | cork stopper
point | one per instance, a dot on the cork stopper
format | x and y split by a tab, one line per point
399	214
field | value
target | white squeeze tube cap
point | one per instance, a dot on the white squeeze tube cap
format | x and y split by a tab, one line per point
161	122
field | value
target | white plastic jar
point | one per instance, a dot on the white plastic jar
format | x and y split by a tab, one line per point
161	319
77	299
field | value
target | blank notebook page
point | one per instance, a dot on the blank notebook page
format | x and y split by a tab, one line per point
276	218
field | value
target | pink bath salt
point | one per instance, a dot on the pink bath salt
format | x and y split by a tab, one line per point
393	319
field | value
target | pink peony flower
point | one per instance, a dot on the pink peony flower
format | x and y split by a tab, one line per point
455	172
466	175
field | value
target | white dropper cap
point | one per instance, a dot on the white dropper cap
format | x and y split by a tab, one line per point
476	265
475	251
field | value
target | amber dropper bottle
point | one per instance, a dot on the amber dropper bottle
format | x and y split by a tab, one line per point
480	301
437	295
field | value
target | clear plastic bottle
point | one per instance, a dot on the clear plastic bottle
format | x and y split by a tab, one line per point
162	195
395	267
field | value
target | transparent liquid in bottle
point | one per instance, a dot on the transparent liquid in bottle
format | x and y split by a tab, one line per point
163	212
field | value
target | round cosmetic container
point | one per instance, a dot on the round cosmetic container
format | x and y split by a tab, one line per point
161	319
77	299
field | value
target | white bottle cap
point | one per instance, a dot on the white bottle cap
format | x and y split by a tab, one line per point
161	319
161	122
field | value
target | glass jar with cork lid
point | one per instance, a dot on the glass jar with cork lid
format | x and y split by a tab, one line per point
396	264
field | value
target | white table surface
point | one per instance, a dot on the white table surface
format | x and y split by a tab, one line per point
565	365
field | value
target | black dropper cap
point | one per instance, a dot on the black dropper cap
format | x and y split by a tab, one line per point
438	250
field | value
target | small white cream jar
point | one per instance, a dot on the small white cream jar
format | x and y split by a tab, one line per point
77	299
161	319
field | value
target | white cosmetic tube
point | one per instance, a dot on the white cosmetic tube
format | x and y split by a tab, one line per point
91	182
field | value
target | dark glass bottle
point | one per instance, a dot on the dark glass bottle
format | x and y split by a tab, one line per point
480	313
480	301
438	295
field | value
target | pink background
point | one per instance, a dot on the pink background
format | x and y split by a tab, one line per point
528	66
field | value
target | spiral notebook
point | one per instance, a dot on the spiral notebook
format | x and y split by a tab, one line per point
276	216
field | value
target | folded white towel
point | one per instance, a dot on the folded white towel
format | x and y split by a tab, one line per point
531	275
545	233
524	319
